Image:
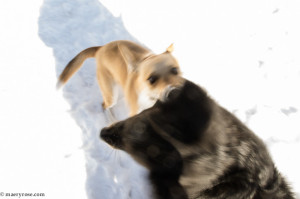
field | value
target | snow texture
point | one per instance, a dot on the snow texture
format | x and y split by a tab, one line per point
69	27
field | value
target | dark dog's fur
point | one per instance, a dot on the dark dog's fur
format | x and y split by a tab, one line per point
196	149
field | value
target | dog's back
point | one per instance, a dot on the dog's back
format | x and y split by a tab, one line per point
251	173
226	159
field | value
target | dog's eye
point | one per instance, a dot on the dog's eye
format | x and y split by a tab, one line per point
152	79
174	71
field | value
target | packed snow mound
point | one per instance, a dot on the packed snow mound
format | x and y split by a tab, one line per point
69	27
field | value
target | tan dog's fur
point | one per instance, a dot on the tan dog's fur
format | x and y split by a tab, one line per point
139	72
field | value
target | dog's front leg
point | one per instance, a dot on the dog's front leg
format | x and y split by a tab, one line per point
131	93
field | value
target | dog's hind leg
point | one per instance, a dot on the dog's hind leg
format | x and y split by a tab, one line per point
107	87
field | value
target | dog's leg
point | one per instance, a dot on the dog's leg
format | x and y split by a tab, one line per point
131	94
133	107
106	84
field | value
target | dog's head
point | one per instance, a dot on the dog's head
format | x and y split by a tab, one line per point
138	137
157	137
158	74
165	136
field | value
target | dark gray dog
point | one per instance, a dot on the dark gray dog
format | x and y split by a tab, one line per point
196	149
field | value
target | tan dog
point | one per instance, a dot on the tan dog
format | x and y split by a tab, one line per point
143	76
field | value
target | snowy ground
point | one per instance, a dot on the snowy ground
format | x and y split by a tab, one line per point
39	141
246	54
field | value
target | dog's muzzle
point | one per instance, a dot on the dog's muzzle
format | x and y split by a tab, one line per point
168	92
111	137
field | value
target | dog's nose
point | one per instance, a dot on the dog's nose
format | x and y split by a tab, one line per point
110	137
171	92
104	133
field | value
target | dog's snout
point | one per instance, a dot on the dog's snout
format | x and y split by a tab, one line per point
173	93
111	137
104	132
105	135
170	92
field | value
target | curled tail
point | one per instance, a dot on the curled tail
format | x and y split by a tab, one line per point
75	64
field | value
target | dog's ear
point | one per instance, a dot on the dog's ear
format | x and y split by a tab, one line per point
170	49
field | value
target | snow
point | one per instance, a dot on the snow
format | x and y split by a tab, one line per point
39	141
245	54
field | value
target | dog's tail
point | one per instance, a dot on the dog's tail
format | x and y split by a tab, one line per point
75	64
